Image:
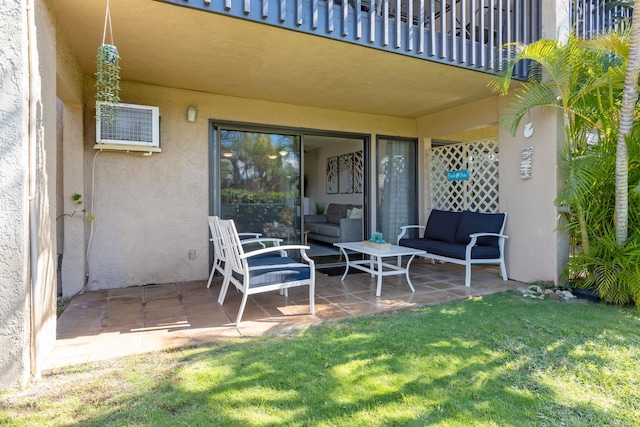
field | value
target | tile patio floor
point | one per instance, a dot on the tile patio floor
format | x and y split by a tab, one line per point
107	324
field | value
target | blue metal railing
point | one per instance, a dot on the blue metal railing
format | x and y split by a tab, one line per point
465	33
592	17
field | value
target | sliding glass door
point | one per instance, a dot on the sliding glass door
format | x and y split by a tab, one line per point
258	181
397	185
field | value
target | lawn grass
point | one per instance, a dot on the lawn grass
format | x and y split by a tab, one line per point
500	360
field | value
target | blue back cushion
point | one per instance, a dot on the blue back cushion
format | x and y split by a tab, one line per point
475	222
442	225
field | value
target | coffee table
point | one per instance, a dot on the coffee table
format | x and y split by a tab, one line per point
374	265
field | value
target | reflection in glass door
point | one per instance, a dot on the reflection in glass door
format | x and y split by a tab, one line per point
397	185
259	176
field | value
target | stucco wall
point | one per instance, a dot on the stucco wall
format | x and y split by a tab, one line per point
151	210
27	224
70	82
14	244
44	285
536	249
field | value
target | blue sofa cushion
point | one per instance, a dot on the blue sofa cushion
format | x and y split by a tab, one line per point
419	243
442	225
275	269
456	250
474	222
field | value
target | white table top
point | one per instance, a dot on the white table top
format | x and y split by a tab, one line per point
392	251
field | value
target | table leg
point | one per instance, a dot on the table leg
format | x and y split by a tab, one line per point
379	288
371	260
346	258
407	273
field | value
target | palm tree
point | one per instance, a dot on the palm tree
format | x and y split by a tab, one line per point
585	79
627	110
581	78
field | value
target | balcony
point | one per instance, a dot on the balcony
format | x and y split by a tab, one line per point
590	17
463	33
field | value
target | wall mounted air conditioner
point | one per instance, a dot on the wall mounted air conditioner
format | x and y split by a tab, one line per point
127	127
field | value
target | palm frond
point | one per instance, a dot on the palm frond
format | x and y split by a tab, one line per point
531	95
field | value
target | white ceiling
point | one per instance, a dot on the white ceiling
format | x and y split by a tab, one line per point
179	47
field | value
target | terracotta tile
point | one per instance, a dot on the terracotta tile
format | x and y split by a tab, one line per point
86	304
78	324
104	324
254	328
116	319
90	296
162	304
135	291
330	311
195	284
154	292
161	339
200	293
120	300
200	335
212	309
110	345
344	299
166	315
209	320
361	308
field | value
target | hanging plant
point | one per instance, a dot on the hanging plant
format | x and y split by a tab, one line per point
107	73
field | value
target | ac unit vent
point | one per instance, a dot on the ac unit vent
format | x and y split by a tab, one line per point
127	125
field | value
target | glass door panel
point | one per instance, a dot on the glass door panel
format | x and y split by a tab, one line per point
260	183
397	185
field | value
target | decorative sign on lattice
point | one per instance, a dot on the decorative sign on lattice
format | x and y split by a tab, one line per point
480	191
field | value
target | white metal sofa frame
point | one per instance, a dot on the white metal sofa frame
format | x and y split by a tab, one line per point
253	272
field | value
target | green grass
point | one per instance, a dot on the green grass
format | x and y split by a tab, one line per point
501	360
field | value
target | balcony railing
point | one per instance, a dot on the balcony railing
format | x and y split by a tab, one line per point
592	17
465	33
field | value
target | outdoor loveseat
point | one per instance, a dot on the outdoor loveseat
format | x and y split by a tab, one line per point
465	238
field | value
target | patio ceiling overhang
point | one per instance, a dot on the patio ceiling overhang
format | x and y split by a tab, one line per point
165	45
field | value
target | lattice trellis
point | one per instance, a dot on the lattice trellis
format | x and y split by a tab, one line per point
480	193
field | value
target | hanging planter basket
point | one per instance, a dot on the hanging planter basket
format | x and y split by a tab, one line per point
107	73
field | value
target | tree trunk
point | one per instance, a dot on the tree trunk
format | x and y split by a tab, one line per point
629	99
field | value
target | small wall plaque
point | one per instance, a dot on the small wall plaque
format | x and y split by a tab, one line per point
526	164
458	175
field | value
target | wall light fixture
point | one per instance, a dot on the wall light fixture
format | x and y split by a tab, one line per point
192	114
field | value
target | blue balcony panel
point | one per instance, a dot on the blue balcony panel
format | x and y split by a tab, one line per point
464	33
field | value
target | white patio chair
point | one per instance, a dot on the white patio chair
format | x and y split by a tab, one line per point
255	272
247	238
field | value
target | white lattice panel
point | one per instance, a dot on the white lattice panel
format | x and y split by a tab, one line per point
480	193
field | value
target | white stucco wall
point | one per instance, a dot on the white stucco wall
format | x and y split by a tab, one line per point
44	285
27	224
70	82
14	237
151	211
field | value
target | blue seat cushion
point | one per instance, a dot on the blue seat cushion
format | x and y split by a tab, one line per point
456	250
275	269
442	225
422	244
475	222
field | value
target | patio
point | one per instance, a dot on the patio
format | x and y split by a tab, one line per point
107	324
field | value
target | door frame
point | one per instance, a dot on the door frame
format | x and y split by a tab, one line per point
214	159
